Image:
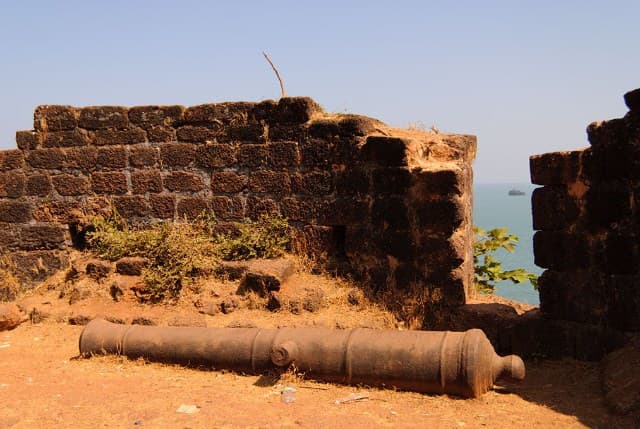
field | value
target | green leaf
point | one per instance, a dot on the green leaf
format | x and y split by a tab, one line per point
488	270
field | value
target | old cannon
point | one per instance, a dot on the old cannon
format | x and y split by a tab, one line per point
458	363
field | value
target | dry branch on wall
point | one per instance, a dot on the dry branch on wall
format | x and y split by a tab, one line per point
275	70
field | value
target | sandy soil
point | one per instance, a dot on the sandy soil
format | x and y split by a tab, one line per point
44	383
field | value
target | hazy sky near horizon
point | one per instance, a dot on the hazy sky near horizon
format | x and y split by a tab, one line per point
526	77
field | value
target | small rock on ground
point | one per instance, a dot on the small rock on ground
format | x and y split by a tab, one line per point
76	295
265	275
296	306
230	304
131	266
79	319
10	316
275	301
98	269
145	321
208	307
313	300
354	297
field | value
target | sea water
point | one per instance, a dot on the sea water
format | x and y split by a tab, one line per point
493	207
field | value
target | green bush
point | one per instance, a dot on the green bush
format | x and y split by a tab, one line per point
268	237
179	251
488	270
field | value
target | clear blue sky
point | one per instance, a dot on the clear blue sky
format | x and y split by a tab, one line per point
525	76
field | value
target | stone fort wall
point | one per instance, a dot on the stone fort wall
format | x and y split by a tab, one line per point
393	206
587	214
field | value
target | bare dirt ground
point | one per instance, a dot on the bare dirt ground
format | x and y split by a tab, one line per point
44	383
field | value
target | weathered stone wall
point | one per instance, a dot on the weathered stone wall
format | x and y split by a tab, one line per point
588	219
393	206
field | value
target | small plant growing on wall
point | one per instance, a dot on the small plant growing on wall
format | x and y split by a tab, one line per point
487	268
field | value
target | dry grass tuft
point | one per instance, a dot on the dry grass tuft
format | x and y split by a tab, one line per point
9	284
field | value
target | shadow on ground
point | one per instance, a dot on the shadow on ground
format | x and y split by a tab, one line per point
569	387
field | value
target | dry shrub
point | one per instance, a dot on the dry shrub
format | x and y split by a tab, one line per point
9	284
179	251
268	237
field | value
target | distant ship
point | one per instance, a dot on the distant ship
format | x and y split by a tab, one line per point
516	192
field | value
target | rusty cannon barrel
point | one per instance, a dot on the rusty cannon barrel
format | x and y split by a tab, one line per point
458	363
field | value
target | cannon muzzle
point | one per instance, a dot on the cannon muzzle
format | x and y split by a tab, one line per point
458	363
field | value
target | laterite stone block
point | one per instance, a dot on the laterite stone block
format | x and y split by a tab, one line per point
28	140
83	158
426	183
55	118
608	203
385	151
561	250
32	267
343	211
130	206
553	208
75	137
391	180
216	156
13	211
162	206
177	154
120	137
66	212
12	184
443	215
228	182
112	157
353	181
230	112
47	159
42	237
111	183
102	117
556	168
68	184
193	134
270	182
256	206
183	181
227	208
38	185
313	183
143	156
390	213
11	159
143	181
161	135
316	152
298	210
283	154
192	207
253	156
150	116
